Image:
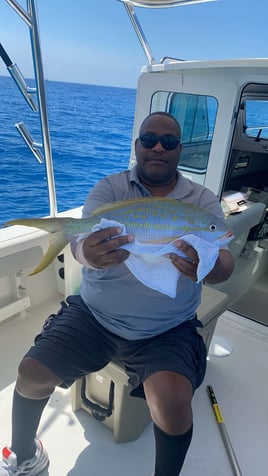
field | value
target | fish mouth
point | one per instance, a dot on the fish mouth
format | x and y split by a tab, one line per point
229	235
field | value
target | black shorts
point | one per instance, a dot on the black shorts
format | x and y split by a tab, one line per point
72	344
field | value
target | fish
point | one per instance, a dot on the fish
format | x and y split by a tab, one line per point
151	220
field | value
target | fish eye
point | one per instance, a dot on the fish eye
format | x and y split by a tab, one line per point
213	227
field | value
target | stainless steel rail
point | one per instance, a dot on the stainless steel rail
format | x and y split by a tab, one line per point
31	19
129	6
139	32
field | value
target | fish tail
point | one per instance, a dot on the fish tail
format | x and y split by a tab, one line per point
57	242
57	237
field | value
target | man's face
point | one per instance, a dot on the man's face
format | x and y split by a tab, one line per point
156	165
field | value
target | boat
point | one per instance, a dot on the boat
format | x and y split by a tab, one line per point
224	148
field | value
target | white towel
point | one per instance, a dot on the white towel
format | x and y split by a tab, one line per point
149	265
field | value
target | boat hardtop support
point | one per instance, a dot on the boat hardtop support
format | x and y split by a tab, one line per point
129	5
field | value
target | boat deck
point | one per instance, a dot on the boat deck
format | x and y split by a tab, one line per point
79	445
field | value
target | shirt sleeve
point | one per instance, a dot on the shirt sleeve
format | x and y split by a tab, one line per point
209	201
101	194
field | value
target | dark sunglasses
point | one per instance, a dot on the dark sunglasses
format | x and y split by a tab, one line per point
149	141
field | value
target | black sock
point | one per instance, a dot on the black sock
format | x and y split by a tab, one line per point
170	451
26	414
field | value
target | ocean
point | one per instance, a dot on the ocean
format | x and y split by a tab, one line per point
91	131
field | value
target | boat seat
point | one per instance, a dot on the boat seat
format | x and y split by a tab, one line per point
104	394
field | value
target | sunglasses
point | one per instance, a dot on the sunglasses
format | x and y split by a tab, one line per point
167	141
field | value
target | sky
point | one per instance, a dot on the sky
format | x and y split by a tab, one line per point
93	42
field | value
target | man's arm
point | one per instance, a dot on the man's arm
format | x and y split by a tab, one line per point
223	268
99	249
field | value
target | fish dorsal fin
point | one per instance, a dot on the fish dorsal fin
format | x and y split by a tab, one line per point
125	203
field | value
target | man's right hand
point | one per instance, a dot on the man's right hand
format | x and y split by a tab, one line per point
101	248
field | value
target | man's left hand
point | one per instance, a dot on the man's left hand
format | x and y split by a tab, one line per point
185	266
222	270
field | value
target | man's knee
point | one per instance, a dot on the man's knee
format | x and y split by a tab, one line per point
35	380
169	397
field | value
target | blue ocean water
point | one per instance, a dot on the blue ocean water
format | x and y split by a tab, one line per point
91	131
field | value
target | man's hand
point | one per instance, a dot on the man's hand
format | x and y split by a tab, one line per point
101	247
185	266
221	272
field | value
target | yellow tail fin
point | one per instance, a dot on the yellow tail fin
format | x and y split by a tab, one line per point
57	238
57	241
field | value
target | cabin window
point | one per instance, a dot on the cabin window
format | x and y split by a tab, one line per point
256	119
197	116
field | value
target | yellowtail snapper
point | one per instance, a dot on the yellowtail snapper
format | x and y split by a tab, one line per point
151	220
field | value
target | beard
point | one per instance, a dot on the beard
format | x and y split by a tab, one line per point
156	172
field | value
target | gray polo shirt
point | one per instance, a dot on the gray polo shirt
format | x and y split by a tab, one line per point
120	302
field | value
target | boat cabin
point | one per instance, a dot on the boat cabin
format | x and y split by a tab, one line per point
222	107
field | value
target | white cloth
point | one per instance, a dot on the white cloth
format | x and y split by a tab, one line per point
157	271
148	263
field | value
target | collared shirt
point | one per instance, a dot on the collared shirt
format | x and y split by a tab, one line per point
120	302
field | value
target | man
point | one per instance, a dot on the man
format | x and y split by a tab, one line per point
154	335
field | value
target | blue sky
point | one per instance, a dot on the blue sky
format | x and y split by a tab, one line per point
94	42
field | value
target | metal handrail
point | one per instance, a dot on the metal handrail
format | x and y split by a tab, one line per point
129	6
31	19
139	32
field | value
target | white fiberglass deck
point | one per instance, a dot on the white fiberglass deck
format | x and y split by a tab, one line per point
79	445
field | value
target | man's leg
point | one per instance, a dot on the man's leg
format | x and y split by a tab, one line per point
169	397
55	348
34	385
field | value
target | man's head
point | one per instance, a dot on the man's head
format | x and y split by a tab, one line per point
158	149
